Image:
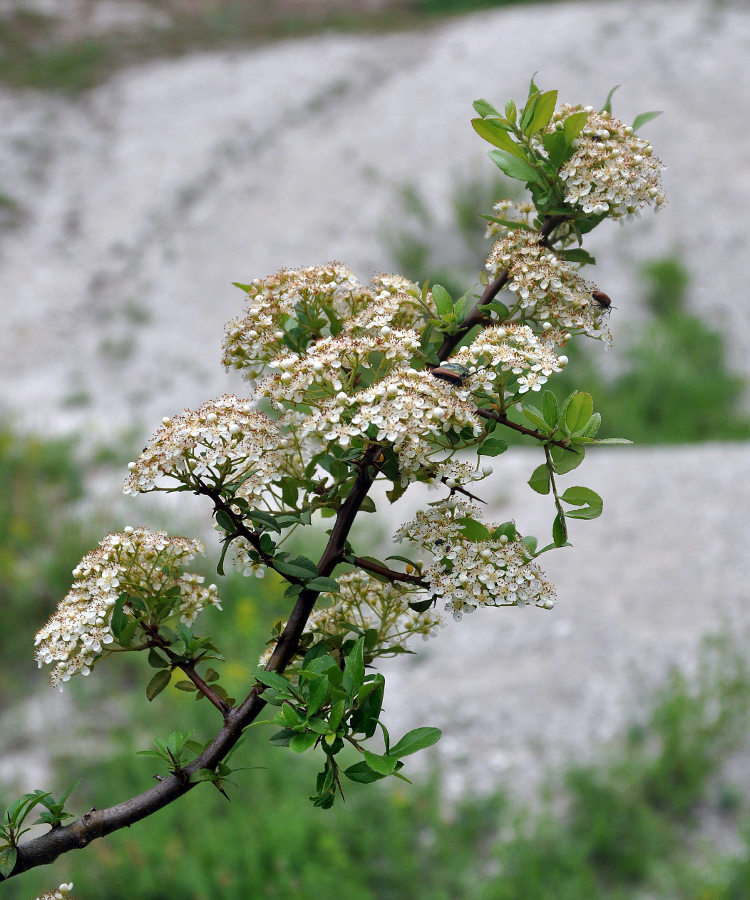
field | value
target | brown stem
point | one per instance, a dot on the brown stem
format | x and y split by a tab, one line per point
156	640
205	689
476	316
521	429
391	574
100	822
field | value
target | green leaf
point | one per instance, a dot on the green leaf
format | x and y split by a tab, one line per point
362	773
415	740
242	287
567	460
421	605
119	618
282	737
573	125
589	500
158	658
220	563
559	531
507	528
494	133
202	775
293	570
578	255
592	426
549	408
327	585
8	861
185	685
316	694
533	415
336	714
533	89
473	530
557	147
543	109
539	480
492	446
301	742
528	111
645	117
383	765
264	520
608	102
485	108
579	411
513	167
513	226
158	683
273	679
443	300
354	668
369	703
224	521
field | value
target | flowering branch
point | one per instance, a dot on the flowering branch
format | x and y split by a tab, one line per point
345	371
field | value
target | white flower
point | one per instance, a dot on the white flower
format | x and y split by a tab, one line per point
613	170
468	572
226	433
547	289
364	603
140	563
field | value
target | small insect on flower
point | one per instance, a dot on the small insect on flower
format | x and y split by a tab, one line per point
453	373
602	300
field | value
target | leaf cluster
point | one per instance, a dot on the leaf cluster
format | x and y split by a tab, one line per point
332	704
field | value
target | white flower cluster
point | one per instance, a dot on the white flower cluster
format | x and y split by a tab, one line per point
466	573
254	339
510	348
58	893
365	603
547	288
523	213
226	434
395	302
405	409
334	364
317	292
613	170
141	563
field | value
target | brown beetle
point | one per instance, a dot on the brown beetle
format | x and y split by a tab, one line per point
602	300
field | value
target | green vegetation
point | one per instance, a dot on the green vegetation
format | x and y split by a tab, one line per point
624	826
676	386
40	539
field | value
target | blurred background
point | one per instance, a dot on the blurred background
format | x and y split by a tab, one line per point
153	152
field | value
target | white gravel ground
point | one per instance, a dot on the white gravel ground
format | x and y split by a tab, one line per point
145	198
